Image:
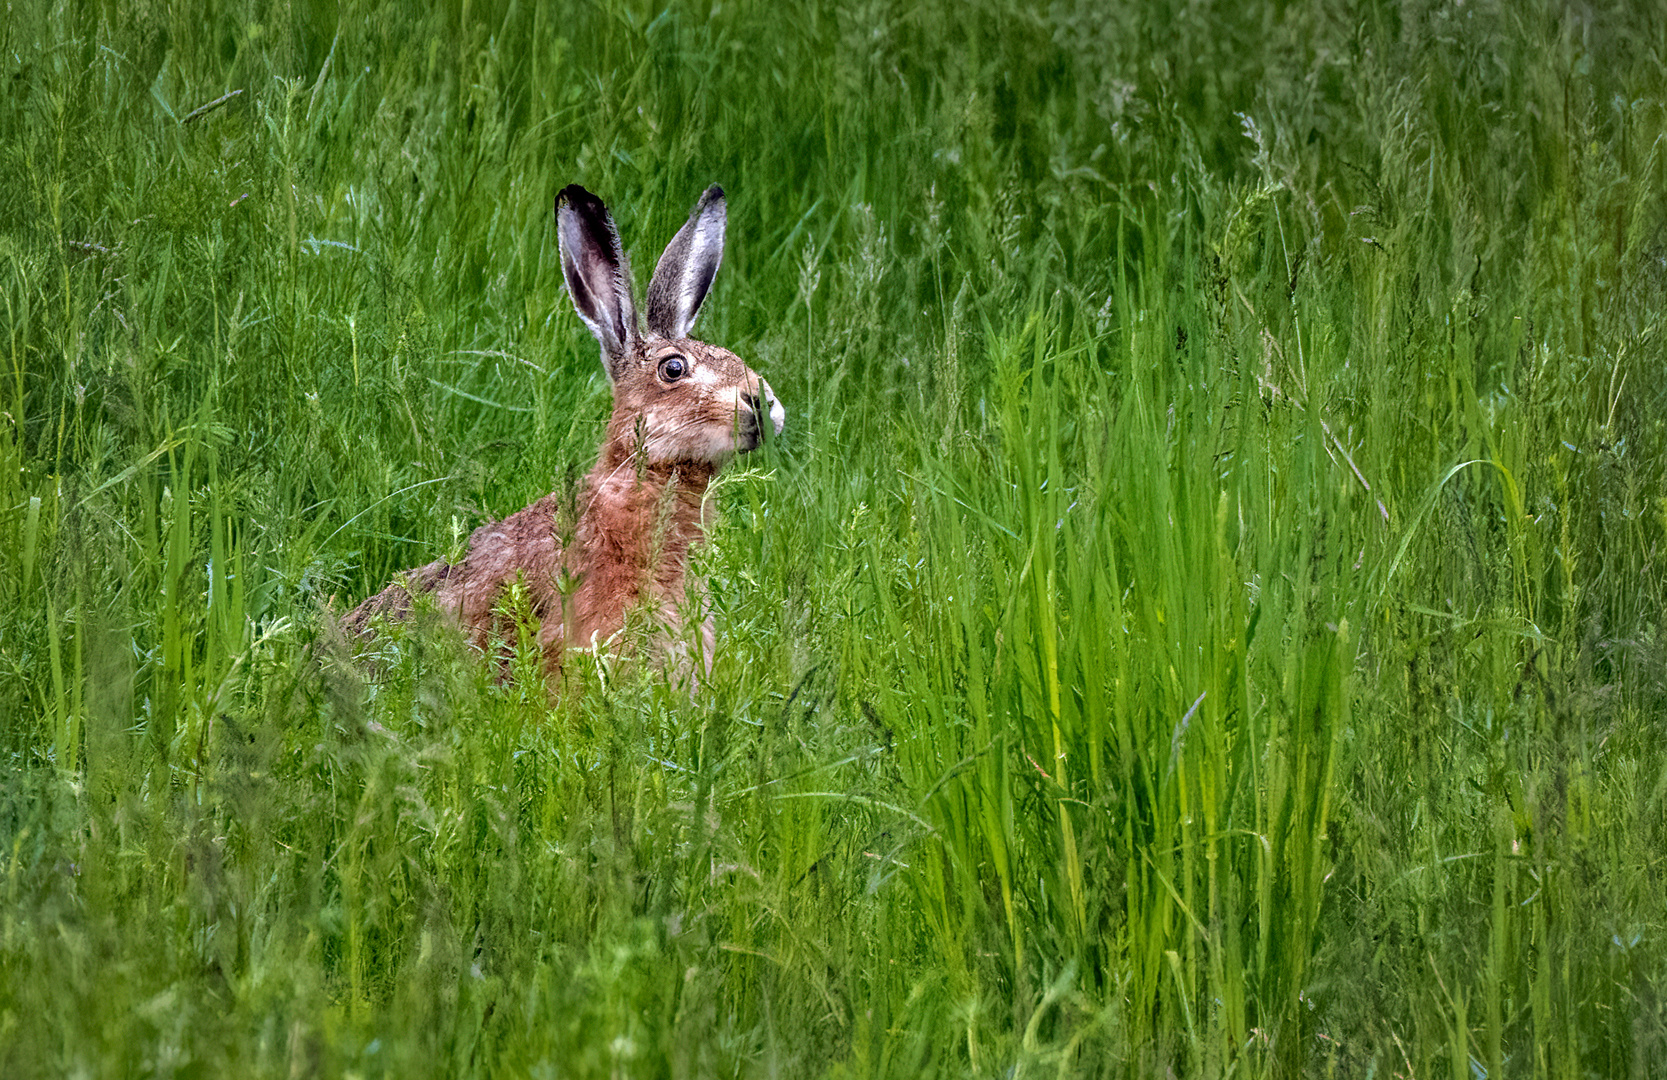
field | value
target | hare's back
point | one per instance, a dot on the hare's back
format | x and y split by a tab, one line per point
522	546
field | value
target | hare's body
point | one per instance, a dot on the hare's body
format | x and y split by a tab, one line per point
681	409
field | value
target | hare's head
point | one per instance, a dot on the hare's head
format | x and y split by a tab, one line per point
675	399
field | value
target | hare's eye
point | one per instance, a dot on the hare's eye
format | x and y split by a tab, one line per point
673	368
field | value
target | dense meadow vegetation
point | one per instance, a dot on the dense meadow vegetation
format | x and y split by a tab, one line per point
1203	618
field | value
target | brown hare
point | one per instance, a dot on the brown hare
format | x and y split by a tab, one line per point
681	409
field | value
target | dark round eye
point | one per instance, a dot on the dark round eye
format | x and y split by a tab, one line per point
673	368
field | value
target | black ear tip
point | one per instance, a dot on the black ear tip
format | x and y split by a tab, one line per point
712	194
577	197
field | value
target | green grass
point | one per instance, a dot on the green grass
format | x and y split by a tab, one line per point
1203	618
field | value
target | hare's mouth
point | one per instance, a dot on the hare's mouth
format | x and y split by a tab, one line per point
749	434
751	425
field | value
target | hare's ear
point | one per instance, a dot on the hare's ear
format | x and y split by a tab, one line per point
687	268
598	277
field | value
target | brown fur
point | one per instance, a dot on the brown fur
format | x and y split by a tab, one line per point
641	509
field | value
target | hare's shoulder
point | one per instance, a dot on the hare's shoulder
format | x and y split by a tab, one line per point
526	543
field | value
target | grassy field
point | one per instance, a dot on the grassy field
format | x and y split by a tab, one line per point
1203	618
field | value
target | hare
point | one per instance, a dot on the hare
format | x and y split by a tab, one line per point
681	409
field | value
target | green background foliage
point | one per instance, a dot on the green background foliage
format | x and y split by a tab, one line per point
1202	619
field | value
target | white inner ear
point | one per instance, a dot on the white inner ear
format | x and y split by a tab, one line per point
706	247
694	281
598	274
684	276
